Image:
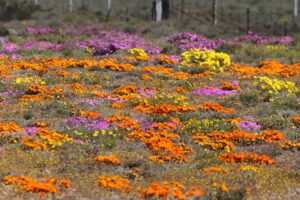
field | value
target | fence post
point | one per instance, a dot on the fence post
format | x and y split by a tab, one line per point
295	12
215	7
158	10
248	19
285	29
182	8
70	5
108	10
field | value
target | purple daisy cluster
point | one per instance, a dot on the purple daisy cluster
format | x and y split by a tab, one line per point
39	31
249	126
98	124
214	92
261	39
187	40
108	42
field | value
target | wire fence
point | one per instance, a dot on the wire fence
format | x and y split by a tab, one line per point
273	16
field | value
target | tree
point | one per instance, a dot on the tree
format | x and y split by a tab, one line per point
36	2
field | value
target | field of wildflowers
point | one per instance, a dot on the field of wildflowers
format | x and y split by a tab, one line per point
90	113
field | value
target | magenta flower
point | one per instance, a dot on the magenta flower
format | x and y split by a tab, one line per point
214	92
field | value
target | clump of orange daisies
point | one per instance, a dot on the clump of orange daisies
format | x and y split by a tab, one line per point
28	184
246	157
108	159
172	190
114	183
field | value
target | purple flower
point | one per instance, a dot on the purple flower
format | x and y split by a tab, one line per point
37	31
249	125
98	124
31	130
10	47
214	92
145	92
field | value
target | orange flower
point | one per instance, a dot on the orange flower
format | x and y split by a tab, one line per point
53	138
40	124
117	105
215	169
172	190
8	127
216	107
229	86
166	59
35	144
31	185
296	120
146	77
126	89
89	114
246	157
66	183
163	145
273	136
108	159
114	183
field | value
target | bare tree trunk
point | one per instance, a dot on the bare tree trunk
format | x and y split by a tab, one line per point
295	14
215	12
70	5
36	2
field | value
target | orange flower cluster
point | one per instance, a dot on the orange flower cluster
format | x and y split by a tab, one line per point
53	138
35	144
123	122
165	108
127	89
172	190
229	86
89	114
273	136
227	141
246	157
216	107
222	186
234	136
78	88
215	169
40	92
164	126
269	68
160	70
166	59
117	105
110	64
115	183
296	120
8	127
163	145
214	144
28	184
108	159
